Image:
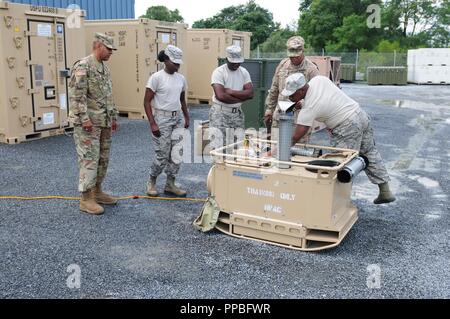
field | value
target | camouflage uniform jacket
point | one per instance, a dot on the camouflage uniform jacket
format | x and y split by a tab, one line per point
284	69
90	92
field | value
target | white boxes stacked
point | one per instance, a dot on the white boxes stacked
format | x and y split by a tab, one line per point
429	66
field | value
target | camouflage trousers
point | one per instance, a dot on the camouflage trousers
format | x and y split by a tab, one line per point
231	125
164	159
356	133
93	150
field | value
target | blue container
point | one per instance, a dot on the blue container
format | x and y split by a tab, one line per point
95	9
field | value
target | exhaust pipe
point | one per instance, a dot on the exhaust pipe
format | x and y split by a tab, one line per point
308	152
286	130
352	169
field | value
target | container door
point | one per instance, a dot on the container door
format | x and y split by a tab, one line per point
238	41
164	39
48	68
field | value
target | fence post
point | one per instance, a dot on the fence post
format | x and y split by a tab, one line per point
357	58
395	56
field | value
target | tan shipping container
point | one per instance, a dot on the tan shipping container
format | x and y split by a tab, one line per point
38	46
204	48
329	66
138	43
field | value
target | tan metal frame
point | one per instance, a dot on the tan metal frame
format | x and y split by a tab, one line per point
306	224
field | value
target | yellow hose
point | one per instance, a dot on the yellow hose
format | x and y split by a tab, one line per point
120	198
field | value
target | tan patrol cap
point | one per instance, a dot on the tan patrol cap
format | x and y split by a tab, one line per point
295	46
106	40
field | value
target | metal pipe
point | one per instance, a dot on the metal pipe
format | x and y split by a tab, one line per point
352	169
286	127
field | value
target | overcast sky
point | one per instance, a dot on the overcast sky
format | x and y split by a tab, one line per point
284	11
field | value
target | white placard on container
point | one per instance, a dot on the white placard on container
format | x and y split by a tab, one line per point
63	101
166	38
44	30
48	118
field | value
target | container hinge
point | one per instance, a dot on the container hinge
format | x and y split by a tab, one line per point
33	91
31	63
30	33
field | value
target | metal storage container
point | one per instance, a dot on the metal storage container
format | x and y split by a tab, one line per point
386	75
38	46
348	72
138	42
204	47
429	66
328	66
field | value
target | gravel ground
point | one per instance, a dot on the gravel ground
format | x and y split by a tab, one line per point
148	249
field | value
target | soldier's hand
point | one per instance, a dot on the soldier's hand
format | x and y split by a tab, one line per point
155	130
115	126
87	126
298	105
186	122
268	119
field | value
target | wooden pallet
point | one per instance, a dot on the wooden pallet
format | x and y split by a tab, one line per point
34	136
133	115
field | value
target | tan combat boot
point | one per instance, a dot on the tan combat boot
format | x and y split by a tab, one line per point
89	205
151	187
385	195
103	198
172	189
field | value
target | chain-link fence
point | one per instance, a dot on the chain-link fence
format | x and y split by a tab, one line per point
362	60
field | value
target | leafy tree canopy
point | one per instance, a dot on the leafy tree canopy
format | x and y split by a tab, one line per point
249	17
162	13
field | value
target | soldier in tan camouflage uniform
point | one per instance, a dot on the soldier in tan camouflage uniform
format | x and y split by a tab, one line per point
349	125
295	63
94	116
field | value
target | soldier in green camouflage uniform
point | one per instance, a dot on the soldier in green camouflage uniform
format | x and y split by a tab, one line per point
295	63
94	115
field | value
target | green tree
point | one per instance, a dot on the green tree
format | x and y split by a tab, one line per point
249	17
389	46
419	22
277	41
320	19
354	34
162	13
